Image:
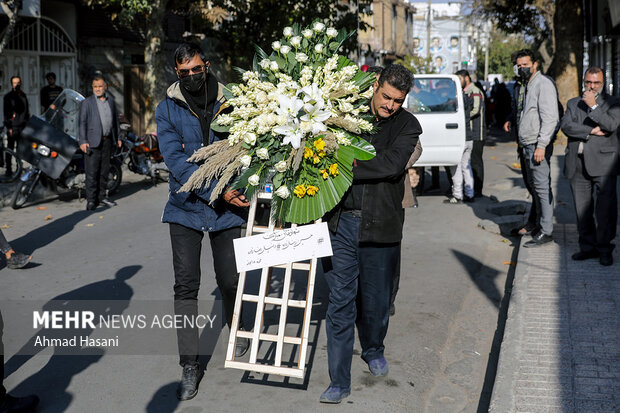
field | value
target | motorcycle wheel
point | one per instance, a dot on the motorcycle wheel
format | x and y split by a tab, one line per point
114	178
23	191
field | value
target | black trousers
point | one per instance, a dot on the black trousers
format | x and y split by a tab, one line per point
11	143
596	220
97	163
186	249
477	166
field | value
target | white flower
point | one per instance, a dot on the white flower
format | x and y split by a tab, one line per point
307	33
276	45
273	66
253	180
295	41
315	116
331	32
292	134
301	57
265	63
288	31
289	107
285	49
345	107
245	160
280	166
318	26
313	93
262	153
319	48
250	138
283	192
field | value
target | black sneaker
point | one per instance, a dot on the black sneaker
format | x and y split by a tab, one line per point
18	260
538	239
243	344
188	387
12	404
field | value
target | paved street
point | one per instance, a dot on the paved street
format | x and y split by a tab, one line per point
439	343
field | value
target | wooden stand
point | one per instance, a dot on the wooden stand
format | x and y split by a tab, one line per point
256	335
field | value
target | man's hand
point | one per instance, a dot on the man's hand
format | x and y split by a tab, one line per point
539	155
119	143
507	126
589	98
84	147
10	132
597	131
236	198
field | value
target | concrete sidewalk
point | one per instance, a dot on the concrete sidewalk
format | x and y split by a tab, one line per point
561	347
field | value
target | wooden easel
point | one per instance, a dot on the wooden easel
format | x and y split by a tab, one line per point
256	335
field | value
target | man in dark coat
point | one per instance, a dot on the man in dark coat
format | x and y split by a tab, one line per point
591	123
365	231
99	129
16	114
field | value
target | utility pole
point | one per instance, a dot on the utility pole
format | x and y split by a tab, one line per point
487	42
428	31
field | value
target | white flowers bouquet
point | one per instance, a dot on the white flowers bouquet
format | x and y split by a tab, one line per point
295	122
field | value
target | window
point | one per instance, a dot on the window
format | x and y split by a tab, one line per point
433	95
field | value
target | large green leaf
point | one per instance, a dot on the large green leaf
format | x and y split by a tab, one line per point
219	128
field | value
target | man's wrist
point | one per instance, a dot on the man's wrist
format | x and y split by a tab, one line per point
594	106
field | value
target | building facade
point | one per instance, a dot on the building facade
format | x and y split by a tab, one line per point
602	40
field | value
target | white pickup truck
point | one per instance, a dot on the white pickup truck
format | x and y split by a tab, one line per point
437	103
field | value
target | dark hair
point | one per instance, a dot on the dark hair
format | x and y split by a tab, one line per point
374	69
15	77
51	74
98	77
186	52
397	76
525	53
463	73
595	70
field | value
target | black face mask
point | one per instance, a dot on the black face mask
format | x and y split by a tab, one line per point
18	88
525	73
193	83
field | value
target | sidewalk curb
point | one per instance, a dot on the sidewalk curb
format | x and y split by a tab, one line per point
503	397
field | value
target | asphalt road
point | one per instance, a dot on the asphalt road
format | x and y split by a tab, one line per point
439	342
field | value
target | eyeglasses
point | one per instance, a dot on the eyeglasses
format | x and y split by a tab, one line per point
194	70
589	82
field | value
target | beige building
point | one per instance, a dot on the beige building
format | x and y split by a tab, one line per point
391	36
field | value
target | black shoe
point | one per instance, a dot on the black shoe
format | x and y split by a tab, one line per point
538	239
469	199
90	206
108	203
452	200
12	404
18	260
392	310
188	388
585	255
243	344
606	259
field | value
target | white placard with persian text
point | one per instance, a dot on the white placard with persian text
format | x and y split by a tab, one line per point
282	246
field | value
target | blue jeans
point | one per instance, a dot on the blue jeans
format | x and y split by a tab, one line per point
361	272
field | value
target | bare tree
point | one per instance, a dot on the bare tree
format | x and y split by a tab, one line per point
11	8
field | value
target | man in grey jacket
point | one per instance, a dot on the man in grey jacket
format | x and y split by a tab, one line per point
591	124
537	121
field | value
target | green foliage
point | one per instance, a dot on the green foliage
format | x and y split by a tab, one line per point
533	18
501	48
417	64
124	10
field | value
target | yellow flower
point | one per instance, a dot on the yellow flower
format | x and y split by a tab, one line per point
316	160
312	190
322	153
333	169
308	153
300	191
325	173
319	144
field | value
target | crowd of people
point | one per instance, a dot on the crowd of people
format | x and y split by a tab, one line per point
366	227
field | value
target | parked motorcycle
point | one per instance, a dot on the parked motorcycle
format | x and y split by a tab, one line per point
49	145
141	153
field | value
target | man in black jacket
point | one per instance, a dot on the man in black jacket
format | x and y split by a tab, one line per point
366	229
16	114
591	124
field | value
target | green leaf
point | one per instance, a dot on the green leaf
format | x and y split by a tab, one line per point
219	128
228	94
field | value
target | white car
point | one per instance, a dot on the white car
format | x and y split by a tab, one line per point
437	103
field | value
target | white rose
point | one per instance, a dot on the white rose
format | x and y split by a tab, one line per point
280	166
262	153
319	48
249	138
301	57
285	49
307	33
295	41
331	32
276	45
318	26
245	160
273	66
253	180
283	192
288	31
265	63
